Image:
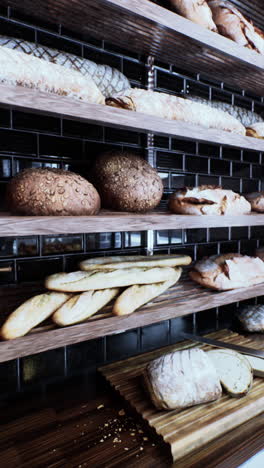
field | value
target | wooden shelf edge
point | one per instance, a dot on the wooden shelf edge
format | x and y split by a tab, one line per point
51	104
114	221
205	299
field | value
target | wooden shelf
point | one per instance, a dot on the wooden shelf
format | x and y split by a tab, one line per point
37	102
146	28
114	221
185	298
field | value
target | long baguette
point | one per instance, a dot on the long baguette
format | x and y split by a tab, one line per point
84	281
31	313
17	68
138	295
83	306
134	261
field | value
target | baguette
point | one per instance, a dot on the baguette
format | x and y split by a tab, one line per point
138	295
79	281
25	70
31	313
83	306
132	261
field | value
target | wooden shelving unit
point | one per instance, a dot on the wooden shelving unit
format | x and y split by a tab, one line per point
147	28
184	298
35	101
114	221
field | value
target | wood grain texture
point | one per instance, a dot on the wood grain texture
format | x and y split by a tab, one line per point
188	430
149	29
39	102
114	221
184	298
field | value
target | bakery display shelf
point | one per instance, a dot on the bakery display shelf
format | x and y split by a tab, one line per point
184	298
147	28
31	100
115	221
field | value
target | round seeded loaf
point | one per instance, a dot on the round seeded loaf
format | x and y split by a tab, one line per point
126	182
51	192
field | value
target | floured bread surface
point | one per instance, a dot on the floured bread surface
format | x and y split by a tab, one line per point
256	200
208	200
79	281
131	261
195	10
252	318
182	379
230	271
175	108
18	68
234	371
255	130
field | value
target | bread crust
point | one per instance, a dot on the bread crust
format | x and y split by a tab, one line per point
136	296
176	108
256	200
32	312
138	261
252	318
51	192
256	130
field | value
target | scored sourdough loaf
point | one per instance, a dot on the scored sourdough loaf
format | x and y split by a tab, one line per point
175	108
252	318
182	379
25	70
195	10
138	295
131	261
83	306
228	271
234	371
79	281
256	200
32	312
126	182
208	200
51	192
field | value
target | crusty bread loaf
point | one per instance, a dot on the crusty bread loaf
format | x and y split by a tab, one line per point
256	200
196	11
25	70
82	306
256	130
31	313
234	371
51	192
252	317
181	379
126	182
132	261
175	108
208	200
84	281
136	296
232	24
228	271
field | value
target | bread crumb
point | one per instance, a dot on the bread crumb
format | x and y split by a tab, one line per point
106	424
100	407
121	412
140	431
145	438
126	448
102	440
132	434
141	448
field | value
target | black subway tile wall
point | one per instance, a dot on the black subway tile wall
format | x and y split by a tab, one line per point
33	140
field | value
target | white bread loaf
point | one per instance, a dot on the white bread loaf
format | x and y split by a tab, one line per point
79	281
195	10
17	68
132	261
31	313
175	108
83	306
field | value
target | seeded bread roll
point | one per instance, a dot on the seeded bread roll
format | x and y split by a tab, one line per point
31	313
51	192
196	11
126	182
132	261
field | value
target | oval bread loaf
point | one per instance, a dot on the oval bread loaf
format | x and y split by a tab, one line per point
132	261
84	281
256	200
51	192
252	318
126	182
31	313
83	306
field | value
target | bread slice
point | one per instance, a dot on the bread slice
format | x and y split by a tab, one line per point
31	313
234	371
136	296
257	365
131	261
83	306
79	281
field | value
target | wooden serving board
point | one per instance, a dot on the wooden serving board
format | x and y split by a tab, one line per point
188	430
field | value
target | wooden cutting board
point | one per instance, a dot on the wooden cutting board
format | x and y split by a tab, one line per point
188	430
